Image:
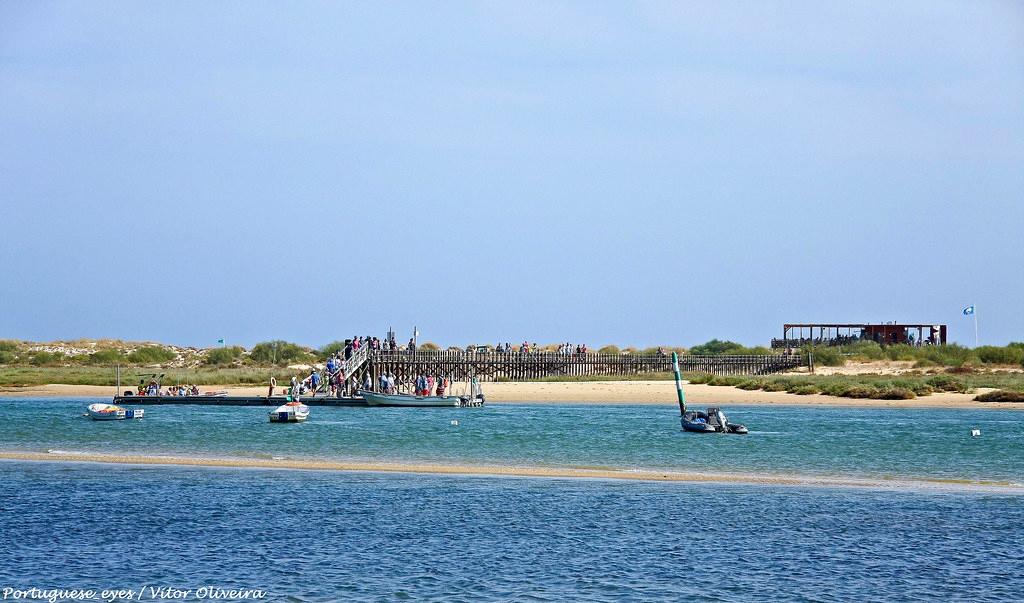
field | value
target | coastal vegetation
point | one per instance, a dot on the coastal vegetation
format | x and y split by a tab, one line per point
952	355
224	356
25	376
877	387
280	353
723	348
927	369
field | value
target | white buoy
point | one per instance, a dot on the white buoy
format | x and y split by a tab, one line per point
975	433
455	422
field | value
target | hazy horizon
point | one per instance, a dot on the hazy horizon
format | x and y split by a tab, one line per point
636	174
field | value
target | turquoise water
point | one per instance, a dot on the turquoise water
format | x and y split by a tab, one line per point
304	536
812	441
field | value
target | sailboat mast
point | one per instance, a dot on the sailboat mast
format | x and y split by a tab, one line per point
679	385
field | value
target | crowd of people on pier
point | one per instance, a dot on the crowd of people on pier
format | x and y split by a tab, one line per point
153	389
532	348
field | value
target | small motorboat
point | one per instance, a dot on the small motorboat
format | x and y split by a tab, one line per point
711	421
292	412
474	396
375	399
112	412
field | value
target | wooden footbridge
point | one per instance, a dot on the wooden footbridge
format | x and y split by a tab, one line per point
523	366
368	365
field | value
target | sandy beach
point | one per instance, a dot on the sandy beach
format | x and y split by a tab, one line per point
516	471
599	392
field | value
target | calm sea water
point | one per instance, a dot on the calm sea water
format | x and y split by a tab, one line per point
875	443
315	536
326	536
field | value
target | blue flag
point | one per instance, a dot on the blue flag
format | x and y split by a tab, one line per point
969	310
222	341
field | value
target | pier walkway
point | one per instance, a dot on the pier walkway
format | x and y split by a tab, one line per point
459	365
516	366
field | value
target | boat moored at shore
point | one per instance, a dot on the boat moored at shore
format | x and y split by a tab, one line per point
408	400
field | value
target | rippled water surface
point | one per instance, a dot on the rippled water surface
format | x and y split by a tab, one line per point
324	536
867	442
327	536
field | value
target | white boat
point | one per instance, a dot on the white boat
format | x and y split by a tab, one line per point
473	397
292	412
375	399
112	412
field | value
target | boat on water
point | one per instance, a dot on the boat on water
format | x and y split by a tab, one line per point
112	412
375	399
711	421
292	412
473	397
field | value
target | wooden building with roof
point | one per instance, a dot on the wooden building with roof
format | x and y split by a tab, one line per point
797	335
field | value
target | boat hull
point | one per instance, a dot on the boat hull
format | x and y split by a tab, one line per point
289	413
698	427
111	412
375	399
712	421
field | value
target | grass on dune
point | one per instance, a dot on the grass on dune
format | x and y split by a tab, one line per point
878	387
86	375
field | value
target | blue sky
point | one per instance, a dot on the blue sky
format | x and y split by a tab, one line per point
637	173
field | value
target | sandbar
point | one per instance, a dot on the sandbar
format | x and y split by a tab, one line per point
520	471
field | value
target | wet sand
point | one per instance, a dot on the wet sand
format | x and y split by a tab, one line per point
598	392
515	471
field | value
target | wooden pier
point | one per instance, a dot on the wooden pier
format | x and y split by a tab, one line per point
516	366
458	365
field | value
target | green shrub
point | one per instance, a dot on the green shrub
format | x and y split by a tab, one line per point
279	352
1010	354
861	391
151	354
774	386
725	380
716	348
828	356
609	349
805	390
222	356
947	383
751	384
45	358
947	355
1001	395
430	346
896	393
331	349
865	350
7	357
8	345
834	388
106	357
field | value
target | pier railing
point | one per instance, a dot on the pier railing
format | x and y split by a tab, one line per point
520	366
349	369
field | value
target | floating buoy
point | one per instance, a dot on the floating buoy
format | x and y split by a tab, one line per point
975	433
455	422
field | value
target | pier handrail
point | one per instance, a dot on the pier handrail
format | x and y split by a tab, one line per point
517	365
349	366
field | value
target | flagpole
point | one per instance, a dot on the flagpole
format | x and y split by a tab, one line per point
975	313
